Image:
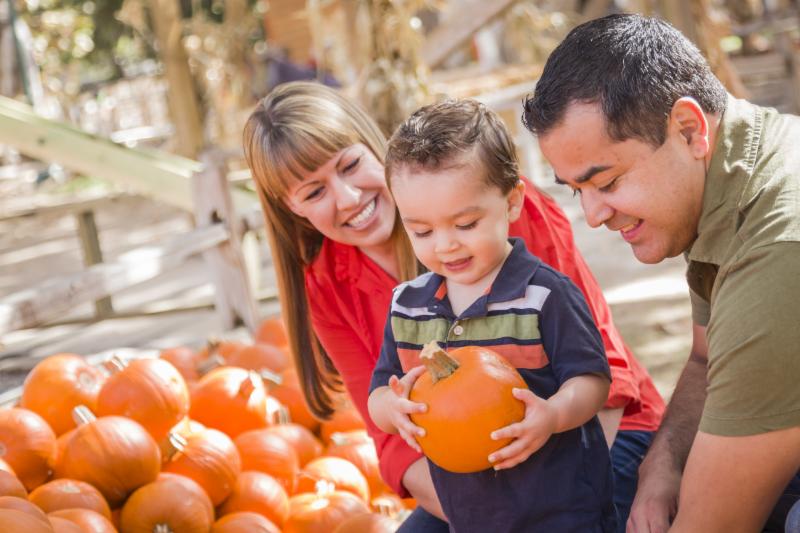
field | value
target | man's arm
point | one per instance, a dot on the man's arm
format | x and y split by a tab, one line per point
737	500
656	498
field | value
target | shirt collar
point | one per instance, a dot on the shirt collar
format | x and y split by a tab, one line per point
731	167
511	282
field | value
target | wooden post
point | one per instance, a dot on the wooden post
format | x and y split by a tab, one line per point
92	255
233	295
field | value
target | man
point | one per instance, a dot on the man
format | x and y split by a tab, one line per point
631	118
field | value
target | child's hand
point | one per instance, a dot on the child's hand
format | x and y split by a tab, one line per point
399	406
529	434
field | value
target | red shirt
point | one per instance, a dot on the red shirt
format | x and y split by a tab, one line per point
349	297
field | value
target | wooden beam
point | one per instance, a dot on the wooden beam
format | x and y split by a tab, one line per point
159	175
53	298
471	16
92	254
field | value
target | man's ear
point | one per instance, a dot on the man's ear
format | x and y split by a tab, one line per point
688	119
516	199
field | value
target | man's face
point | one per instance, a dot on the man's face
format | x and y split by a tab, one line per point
652	196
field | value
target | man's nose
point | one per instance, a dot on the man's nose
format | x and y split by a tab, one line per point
597	211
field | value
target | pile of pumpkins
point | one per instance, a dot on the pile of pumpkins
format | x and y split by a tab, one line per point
195	441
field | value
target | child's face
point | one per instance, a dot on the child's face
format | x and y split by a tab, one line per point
457	222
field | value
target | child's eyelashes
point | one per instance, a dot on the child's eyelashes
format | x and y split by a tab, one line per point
468	226
421	234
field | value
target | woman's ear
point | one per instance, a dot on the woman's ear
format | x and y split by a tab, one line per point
688	119
516	199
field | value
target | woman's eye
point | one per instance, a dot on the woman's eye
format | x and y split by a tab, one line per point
609	187
313	194
468	226
352	165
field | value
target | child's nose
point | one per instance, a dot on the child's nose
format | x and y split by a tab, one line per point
445	242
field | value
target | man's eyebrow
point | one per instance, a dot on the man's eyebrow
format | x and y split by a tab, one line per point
589	174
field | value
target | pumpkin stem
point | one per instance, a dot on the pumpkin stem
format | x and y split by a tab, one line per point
249	385
82	415
348	437
114	364
210	363
271	379
176	443
437	362
162	528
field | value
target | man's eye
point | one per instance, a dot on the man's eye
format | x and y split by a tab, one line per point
608	187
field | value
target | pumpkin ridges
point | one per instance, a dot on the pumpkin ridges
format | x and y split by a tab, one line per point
268	452
14	520
27	444
69	494
322	512
166	502
231	400
89	521
259	493
59	383
62	525
305	443
244	522
368	523
10	485
358	448
22	505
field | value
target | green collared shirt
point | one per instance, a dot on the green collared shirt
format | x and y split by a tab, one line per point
744	273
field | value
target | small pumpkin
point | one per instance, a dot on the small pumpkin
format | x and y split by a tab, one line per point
28	445
244	522
268	452
114	454
22	505
459	421
62	525
305	443
232	400
344	418
287	391
69	494
10	485
150	391
342	474
14	520
272	331
322	511
167	505
5	467
358	448
259	357
89	521
58	384
185	360
210	458
368	523
259	493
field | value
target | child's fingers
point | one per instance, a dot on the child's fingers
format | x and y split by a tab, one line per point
396	386
506	452
511	431
526	396
402	386
410	440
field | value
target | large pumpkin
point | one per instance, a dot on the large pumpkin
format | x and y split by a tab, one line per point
322	511
244	522
28	445
167	505
232	400
268	452
150	391
259	493
69	494
58	384
209	458
468	394
113	453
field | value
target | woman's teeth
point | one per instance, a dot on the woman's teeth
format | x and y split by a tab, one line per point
363	215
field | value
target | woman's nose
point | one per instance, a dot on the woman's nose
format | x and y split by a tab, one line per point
347	195
597	211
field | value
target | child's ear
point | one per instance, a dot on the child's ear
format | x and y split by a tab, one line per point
516	199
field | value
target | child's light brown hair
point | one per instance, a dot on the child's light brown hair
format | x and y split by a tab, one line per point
455	132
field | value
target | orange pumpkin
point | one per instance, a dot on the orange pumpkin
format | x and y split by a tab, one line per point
358	448
27	444
22	505
217	347
11	486
389	504
13	520
244	522
5	467
368	523
305	443
113	453
322	511
259	357
88	520
231	400
167	505
458	422
259	493
264	451
289	393
185	360
272	331
58	384
342	474
209	458
345	418
69	494
150	391
62	525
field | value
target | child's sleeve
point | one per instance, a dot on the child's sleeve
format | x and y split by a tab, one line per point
570	337
388	364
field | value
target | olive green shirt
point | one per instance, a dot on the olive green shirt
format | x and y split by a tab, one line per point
744	273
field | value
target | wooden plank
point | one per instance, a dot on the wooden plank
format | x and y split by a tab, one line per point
58	206
233	294
92	255
53	298
159	175
471	16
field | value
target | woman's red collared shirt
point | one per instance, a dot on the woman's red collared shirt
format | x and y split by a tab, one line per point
349	297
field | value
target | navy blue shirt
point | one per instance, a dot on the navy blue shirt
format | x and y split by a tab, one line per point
539	321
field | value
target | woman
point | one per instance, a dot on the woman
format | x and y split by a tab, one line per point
339	249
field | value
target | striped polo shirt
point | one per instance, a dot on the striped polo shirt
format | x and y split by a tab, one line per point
539	321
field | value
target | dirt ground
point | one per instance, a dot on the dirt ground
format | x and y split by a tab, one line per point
650	303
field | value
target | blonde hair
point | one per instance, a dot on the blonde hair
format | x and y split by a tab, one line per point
294	130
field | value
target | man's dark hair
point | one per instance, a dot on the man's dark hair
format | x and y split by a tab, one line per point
443	134
634	67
